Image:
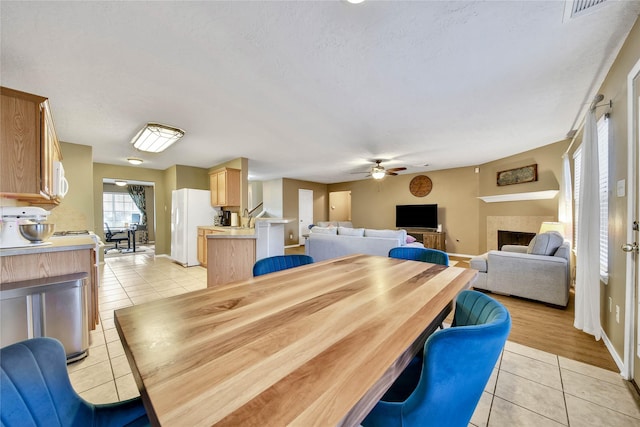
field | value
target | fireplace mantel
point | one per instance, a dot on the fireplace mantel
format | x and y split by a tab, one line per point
514	197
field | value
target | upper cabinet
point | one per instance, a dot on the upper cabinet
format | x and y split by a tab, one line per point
225	187
28	148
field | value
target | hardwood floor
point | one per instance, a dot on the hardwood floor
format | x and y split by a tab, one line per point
551	329
545	328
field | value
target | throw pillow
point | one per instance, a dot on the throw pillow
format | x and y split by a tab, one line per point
545	243
324	230
346	231
411	239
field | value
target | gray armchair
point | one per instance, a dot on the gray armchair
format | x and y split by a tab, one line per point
539	271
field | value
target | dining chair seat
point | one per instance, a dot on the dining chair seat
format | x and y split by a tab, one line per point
35	390
443	387
433	256
279	262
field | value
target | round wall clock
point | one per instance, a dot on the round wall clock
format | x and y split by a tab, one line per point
420	186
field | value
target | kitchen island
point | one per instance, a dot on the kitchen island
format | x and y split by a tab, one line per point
232	251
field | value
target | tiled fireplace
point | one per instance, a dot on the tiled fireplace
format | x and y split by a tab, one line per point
517	224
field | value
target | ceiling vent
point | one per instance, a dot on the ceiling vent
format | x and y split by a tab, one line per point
577	8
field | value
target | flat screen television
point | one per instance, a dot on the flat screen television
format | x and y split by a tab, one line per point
417	216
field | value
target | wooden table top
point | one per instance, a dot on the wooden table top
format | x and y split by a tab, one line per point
297	347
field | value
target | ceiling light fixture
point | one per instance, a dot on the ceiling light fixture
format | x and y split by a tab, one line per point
355	1
135	161
155	137
120	183
377	172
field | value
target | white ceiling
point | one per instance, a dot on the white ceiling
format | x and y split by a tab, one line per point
313	90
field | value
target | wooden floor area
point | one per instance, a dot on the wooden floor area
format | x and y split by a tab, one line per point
551	329
545	328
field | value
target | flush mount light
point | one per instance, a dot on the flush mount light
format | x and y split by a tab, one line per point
356	2
155	137
134	161
120	183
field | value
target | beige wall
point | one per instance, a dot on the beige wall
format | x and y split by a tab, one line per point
191	177
614	88
463	216
76	210
549	163
290	189
454	190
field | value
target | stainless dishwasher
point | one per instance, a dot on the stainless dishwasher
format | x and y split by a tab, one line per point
53	307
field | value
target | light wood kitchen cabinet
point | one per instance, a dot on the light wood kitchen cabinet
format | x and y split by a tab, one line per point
225	187
28	148
230	259
203	232
202	247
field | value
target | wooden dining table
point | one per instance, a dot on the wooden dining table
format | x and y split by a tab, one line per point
316	345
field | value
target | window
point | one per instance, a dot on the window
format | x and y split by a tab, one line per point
119	209
603	166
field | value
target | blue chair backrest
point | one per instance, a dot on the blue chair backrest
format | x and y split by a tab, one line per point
433	256
456	367
279	262
35	390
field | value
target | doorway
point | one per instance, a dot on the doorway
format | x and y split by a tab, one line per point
340	206
128	216
632	325
305	213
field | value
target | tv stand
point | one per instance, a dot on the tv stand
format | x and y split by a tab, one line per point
430	239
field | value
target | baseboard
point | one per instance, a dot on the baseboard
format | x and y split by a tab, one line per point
614	354
461	255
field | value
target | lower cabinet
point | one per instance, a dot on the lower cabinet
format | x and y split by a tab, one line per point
230	260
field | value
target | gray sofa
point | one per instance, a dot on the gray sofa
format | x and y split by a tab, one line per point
332	242
539	271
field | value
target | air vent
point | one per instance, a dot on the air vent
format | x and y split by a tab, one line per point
577	8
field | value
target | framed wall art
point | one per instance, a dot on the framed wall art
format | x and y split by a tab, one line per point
518	175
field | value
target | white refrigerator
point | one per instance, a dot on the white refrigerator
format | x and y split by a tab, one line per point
190	208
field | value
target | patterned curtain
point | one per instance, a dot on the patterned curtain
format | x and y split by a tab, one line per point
137	194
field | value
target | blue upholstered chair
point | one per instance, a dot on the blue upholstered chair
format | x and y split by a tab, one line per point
279	262
35	390
433	256
444	387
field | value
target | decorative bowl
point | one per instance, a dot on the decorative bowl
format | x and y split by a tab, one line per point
38	232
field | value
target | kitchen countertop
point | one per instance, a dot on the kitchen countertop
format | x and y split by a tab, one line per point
226	232
230	233
57	244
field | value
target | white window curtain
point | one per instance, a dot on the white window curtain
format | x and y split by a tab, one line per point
603	185
587	313
564	199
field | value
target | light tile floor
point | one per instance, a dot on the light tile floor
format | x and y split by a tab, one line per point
528	387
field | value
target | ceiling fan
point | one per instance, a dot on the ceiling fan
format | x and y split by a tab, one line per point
378	171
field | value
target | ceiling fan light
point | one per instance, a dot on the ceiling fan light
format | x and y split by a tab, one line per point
155	137
378	173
